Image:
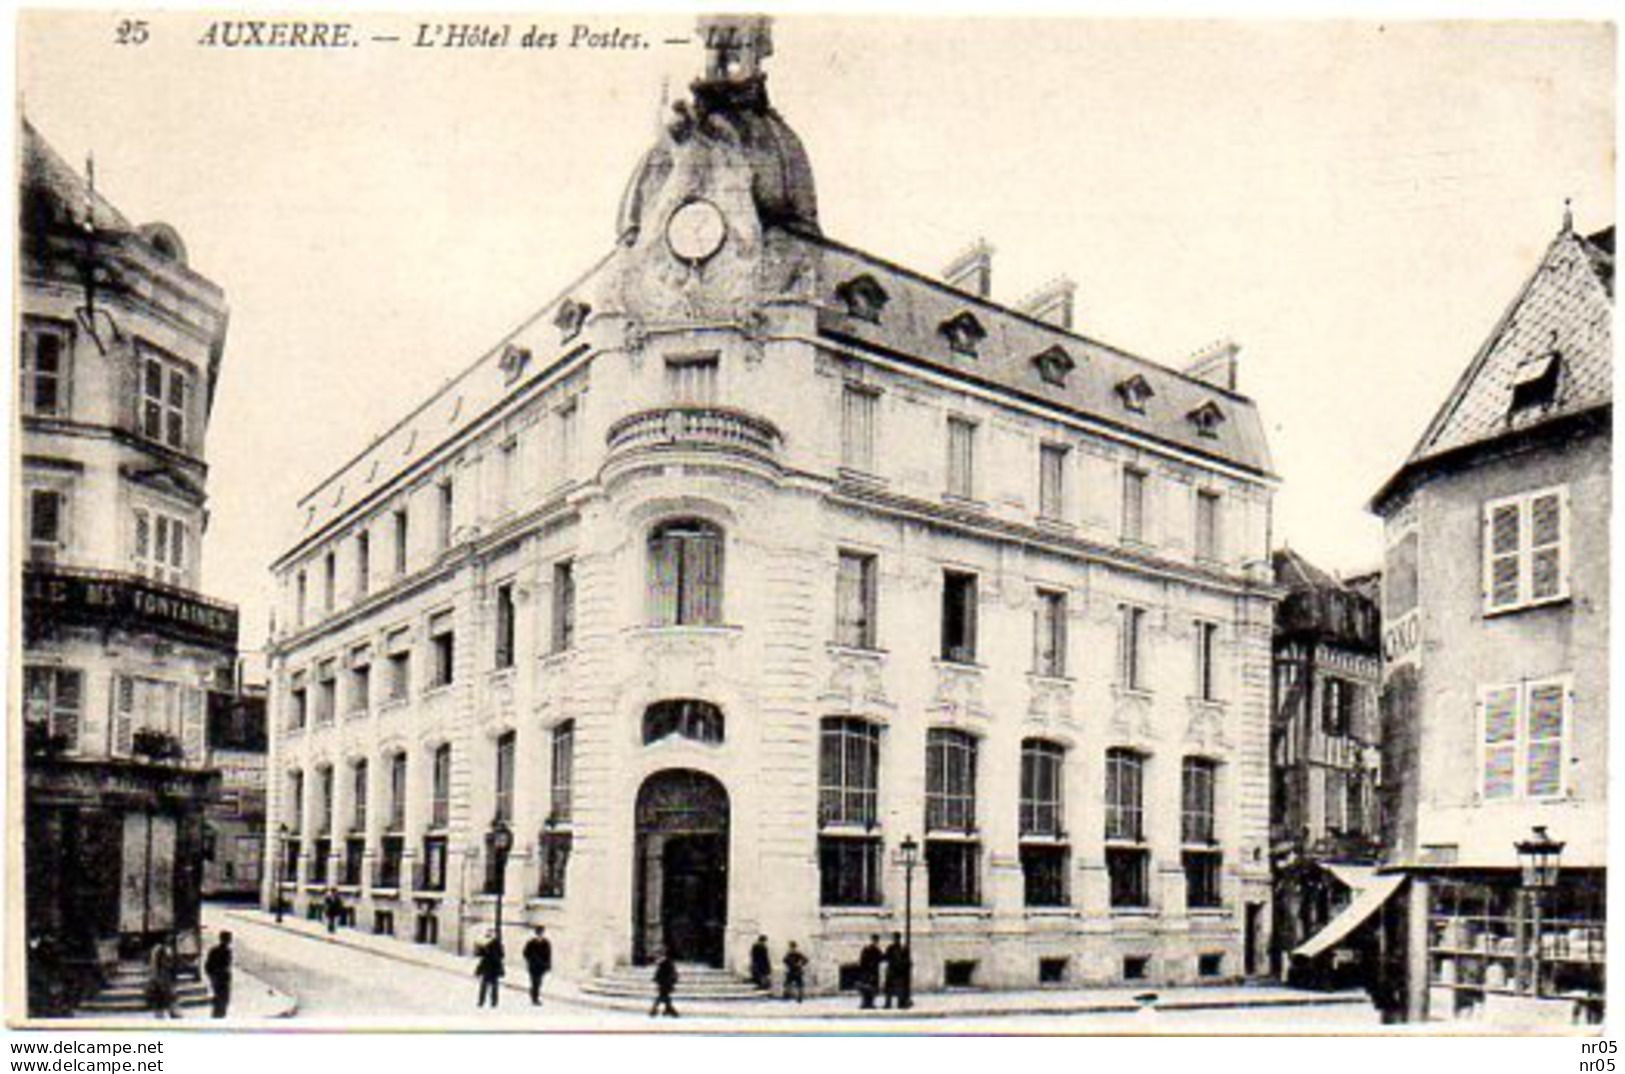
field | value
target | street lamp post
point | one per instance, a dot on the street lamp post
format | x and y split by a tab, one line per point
277	906
908	858
501	844
1539	860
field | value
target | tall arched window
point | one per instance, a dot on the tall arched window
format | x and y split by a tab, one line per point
685	573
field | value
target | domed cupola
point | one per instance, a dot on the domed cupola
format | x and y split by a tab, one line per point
729	125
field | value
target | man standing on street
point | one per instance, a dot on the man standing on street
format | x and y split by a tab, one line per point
488	968
332	909
538	960
869	961
761	965
898	969
795	973
217	968
665	985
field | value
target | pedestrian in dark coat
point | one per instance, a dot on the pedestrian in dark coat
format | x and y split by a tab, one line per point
161	982
217	968
869	962
761	965
795	973
665	985
899	968
332	909
488	968
538	960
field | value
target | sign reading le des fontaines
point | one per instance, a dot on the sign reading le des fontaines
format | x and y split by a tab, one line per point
63	597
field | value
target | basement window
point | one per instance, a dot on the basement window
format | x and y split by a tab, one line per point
959	973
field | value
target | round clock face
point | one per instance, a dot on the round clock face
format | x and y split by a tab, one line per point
695	231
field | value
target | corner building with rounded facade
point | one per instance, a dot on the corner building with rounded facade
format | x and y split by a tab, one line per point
753	556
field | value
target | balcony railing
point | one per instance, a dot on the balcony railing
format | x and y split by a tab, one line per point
81	596
701	426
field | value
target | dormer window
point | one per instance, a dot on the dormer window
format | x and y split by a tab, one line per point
863	297
571	318
1054	365
513	362
1134	392
1534	380
963	333
1207	418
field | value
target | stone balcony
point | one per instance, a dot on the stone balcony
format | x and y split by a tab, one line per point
694	429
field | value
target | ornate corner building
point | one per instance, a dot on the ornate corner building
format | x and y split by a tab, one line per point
755	561
120	350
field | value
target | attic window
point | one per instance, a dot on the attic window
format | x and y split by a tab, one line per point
572	316
1207	418
1134	392
963	333
1534	381
513	362
863	297
1054	365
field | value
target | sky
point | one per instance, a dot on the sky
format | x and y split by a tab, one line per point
1354	203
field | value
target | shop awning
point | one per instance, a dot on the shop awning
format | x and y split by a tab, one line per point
1355	877
1367	901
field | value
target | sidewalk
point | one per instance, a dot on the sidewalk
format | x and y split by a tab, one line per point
968	1004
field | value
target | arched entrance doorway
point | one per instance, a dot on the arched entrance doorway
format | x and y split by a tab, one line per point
680	890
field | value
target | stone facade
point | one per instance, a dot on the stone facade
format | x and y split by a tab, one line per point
640	507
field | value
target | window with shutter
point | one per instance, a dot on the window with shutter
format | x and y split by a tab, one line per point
1543	769
1500	744
123	698
1524	740
1526	550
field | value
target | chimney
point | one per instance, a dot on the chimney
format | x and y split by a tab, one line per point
1052	302
1215	364
972	270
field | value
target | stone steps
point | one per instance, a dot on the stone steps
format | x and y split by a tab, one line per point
126	992
695	982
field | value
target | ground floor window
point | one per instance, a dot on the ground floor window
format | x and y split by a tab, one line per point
355	850
1203	890
321	851
290	861
391	849
849	870
432	869
553	854
1482	939
953	872
1128	872
1043	870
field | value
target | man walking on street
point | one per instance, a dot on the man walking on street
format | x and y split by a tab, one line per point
761	965
489	968
795	971
898	968
538	960
869	961
665	985
217	968
332	909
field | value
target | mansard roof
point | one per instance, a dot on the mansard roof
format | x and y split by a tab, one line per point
1560	323
908	330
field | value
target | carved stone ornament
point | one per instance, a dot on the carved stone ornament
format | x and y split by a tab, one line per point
514	361
1205	727
855	685
958	692
1050	701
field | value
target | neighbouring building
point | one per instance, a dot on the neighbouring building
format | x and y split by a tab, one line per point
1324	763
1495	647
234	832
752	562
119	353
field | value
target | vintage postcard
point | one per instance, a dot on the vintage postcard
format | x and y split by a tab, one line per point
811	524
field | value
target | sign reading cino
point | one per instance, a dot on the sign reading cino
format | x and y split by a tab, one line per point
127	602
